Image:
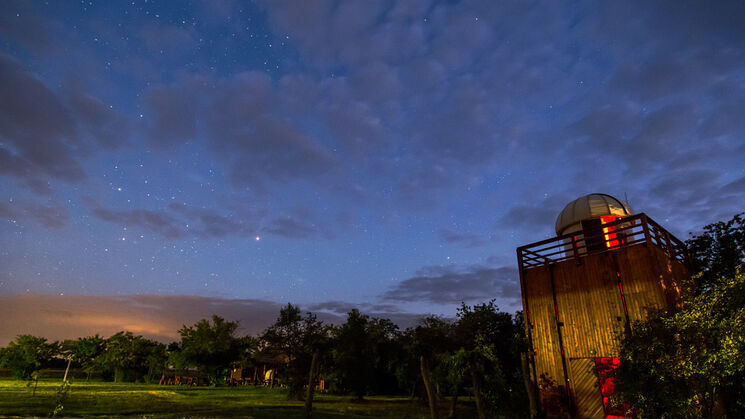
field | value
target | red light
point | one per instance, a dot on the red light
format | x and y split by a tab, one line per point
611	239
605	367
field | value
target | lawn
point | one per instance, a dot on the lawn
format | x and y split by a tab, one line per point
152	400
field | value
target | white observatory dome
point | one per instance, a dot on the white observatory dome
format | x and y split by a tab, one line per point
594	205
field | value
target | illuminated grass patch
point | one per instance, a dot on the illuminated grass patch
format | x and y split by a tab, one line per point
143	400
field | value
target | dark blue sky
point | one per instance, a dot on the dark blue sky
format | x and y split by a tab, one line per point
388	155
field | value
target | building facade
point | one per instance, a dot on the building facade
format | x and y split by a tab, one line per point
581	290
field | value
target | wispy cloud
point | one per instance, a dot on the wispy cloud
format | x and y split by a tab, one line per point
453	284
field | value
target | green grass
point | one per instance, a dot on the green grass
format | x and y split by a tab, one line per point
152	400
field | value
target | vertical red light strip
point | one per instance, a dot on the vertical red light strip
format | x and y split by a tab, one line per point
623	297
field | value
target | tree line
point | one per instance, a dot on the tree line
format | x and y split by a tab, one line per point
477	354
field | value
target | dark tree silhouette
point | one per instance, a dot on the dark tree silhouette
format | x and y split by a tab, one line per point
86	350
490	343
432	341
27	354
127	357
297	338
718	252
211	347
352	355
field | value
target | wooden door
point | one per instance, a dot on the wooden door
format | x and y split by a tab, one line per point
585	388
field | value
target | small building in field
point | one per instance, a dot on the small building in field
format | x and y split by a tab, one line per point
260	370
581	290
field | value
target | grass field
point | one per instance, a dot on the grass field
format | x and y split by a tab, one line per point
151	400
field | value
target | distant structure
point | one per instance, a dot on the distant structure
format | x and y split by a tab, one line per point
582	289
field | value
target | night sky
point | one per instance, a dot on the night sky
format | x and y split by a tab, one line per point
162	161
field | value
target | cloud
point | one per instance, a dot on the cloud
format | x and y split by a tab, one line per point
48	216
170	38
178	221
37	130
340	307
464	239
46	135
20	24
170	111
104	126
209	223
159	317
290	227
51	215
535	218
158	222
452	285
240	119
344	307
737	186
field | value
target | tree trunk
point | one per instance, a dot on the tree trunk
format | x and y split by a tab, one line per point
69	361
427	379
529	386
309	395
413	390
477	393
454	401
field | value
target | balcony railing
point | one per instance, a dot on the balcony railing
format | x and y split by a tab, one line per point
634	230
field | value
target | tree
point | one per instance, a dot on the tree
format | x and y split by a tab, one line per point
384	351
718	252
480	364
352	355
211	347
490	346
153	356
432	341
127	357
27	354
405	362
300	339
681	363
86	350
364	351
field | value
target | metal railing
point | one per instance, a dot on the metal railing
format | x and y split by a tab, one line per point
625	232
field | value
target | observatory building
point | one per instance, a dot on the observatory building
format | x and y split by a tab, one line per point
581	290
